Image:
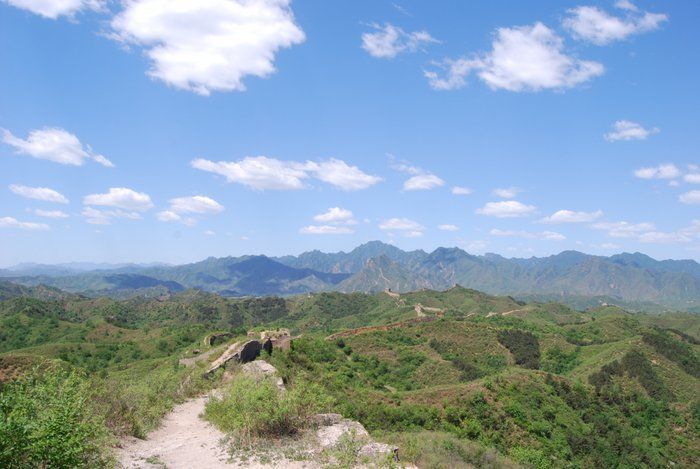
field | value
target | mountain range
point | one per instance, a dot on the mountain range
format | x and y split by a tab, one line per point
634	280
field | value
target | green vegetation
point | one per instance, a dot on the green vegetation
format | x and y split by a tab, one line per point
523	345
253	408
49	418
488	381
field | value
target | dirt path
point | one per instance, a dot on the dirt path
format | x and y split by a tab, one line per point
183	441
202	356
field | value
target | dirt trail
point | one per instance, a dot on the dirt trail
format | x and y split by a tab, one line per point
184	440
202	356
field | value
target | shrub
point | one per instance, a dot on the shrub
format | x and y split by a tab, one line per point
47	420
558	361
253	409
676	351
523	345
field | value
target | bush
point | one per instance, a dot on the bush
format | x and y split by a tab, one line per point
523	345
47	420
253	409
558	361
678	352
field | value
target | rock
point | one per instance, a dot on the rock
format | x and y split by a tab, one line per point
329	436
324	420
376	450
242	353
261	369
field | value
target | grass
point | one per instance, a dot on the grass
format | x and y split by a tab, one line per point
253	409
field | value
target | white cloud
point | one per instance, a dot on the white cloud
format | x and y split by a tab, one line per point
628	130
55	8
506	192
523	58
168	215
388	41
9	222
587	23
335	220
423	182
326	229
197	204
105	217
460	190
690	197
122	198
210	233
420	179
544	235
663	171
54	144
51	213
336	215
692	178
39	193
341	175
261	173
506	209
208	45
448	227
408	228
661	237
623	229
570	216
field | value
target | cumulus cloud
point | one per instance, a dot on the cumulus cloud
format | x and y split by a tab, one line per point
54	9
198	204
423	182
591	24
39	193
460	190
335	220
543	235
420	179
341	175
208	45
388	41
448	227
623	229
506	209
690	197
570	216
51	213
522	58
336	215
407	227
663	171
627	130
263	173
54	144
692	178
9	222
506	192
121	198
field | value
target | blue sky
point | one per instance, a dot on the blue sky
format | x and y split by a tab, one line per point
176	130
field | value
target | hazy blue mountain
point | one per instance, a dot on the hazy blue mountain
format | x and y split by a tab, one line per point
355	260
630	279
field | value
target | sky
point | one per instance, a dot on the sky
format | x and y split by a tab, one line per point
174	130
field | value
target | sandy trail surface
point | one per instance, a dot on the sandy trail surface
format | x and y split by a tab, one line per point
186	441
